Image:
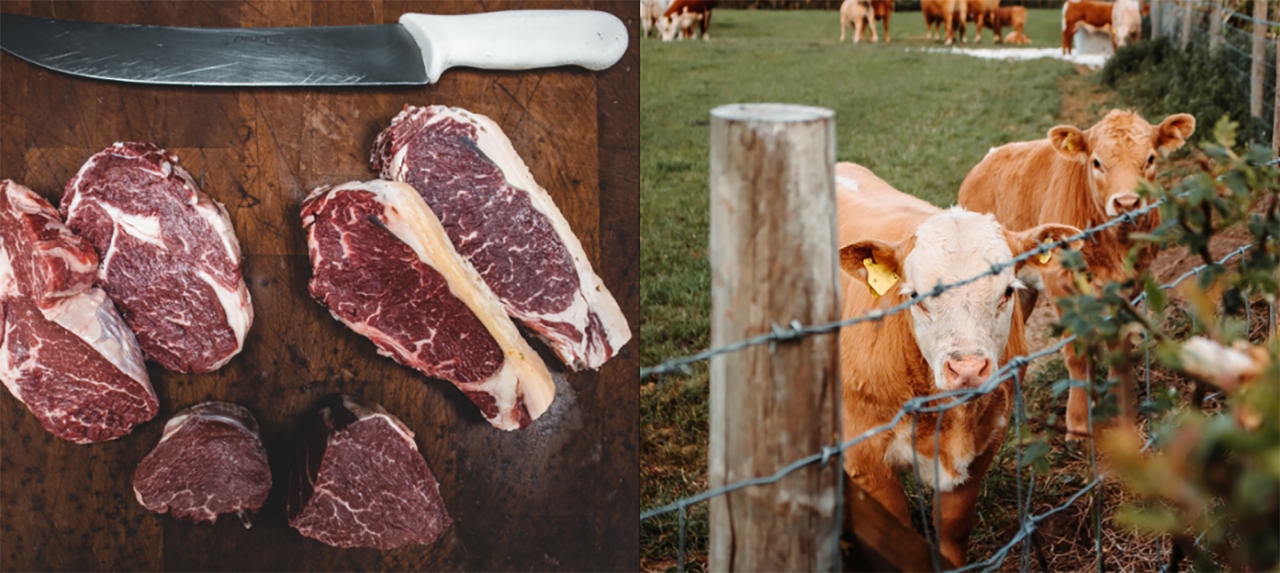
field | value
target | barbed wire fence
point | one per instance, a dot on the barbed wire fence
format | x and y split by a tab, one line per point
1247	43
938	404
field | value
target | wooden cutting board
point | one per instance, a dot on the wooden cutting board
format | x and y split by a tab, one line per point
562	494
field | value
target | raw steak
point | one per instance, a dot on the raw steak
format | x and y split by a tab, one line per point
209	462
506	226
170	259
382	265
64	352
361	482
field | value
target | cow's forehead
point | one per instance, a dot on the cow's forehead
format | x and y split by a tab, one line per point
953	245
1122	134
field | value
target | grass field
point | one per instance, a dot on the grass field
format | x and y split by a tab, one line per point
919	120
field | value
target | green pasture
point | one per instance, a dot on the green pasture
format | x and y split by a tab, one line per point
919	120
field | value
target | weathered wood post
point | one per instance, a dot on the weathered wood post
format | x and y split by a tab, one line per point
1275	114
773	261
1259	57
1186	23
1215	26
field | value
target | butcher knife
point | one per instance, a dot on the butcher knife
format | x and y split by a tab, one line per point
413	52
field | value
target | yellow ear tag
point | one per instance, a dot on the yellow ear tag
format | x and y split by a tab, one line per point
1071	145
1045	256
879	277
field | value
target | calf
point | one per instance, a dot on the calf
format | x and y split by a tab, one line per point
860	14
1079	178
690	12
952	341
932	10
1078	12
1126	22
1013	16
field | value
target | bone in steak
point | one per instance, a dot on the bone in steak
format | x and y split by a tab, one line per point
64	351
170	258
361	482
506	226
209	462
382	265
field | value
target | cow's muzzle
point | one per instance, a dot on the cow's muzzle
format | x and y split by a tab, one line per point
1124	203
966	371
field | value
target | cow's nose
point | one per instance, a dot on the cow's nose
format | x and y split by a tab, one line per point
1126	202
967	371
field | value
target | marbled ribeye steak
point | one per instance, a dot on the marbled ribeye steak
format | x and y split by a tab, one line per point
170	257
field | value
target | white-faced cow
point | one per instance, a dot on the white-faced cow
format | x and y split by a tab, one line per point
952	341
1126	22
1079	178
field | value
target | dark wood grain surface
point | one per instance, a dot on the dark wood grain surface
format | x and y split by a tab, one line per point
560	495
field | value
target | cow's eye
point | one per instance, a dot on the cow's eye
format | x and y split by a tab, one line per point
1008	293
1151	159
1097	164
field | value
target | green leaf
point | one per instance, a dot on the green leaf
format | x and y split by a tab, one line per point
1151	519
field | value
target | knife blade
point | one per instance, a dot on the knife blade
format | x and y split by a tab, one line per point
414	52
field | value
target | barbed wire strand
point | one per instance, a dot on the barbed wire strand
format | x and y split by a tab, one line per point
796	330
917	405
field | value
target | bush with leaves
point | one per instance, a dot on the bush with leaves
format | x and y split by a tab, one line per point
1215	477
1164	79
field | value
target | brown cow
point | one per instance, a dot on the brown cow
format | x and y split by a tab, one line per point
1079	178
947	15
979	12
1014	16
953	341
1078	12
693	11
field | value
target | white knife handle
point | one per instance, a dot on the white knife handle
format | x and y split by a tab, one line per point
517	39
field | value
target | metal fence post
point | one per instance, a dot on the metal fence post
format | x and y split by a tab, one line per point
1155	19
773	261
1275	114
1259	57
1215	26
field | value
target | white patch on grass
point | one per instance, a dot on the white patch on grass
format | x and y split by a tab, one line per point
1093	61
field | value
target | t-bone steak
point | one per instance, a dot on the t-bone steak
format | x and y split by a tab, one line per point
209	462
64	351
361	482
382	265
170	258
506	226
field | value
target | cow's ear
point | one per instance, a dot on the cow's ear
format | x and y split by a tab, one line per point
1069	141
872	262
1023	241
1174	131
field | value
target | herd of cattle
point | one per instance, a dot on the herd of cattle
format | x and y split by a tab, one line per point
1019	196
944	19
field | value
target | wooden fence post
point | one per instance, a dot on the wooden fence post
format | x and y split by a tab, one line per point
773	260
1186	23
1259	57
1215	26
1275	115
